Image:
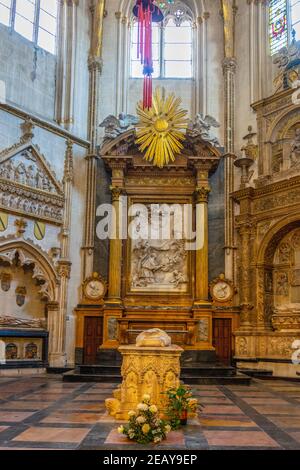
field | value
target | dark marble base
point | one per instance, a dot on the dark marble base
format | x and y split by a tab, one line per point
109	357
23	365
190	356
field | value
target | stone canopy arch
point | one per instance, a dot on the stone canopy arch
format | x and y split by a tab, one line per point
42	267
274	236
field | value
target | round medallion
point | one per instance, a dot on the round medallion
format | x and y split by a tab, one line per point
222	291
95	288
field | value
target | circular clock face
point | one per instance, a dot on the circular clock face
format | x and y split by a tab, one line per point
95	289
222	291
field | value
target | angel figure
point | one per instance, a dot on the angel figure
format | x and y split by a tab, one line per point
113	126
201	126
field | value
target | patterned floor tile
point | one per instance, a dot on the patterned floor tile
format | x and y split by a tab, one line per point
27	405
286	421
264	415
239	439
92	397
79	418
222	410
287	409
262	401
209	421
14	416
36	434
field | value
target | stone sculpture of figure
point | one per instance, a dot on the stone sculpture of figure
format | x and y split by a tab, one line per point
113	126
178	278
295	149
150	386
20	174
282	284
39	179
201	126
10	170
149	266
30	176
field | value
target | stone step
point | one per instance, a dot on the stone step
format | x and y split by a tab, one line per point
259	373
100	369
75	376
208	371
112	374
238	379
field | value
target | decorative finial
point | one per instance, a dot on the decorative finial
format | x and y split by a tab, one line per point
27	130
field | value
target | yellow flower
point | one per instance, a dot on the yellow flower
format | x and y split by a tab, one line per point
146	428
153	409
146	397
131	413
168	428
120	429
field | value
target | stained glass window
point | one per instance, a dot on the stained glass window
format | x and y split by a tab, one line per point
36	20
284	19
278	25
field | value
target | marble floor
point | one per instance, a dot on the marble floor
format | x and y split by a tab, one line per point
42	412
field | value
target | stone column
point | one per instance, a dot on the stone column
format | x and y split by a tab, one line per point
229	67
115	252
245	276
56	354
201	266
68	186
95	68
66	63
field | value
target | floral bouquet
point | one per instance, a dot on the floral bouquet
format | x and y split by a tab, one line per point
181	402
144	425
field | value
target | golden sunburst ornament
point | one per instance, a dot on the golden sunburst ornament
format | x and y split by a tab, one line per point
160	129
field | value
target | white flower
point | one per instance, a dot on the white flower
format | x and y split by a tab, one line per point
142	407
120	429
131	413
141	420
146	397
153	409
168	428
157	439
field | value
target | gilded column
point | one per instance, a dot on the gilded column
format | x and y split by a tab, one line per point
115	251
245	276
201	265
66	63
95	67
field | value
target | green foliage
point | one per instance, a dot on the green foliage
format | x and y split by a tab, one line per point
181	401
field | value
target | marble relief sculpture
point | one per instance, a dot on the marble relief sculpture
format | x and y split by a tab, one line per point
28	185
159	264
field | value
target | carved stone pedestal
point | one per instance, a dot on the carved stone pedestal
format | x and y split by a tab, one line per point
145	370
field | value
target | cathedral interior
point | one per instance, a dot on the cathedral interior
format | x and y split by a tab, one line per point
90	159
